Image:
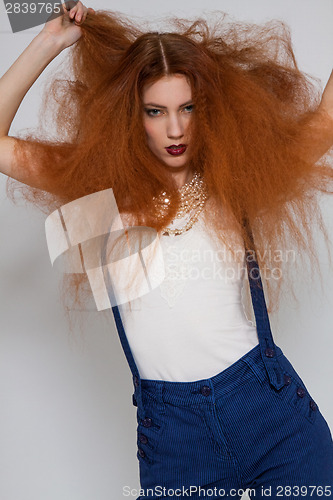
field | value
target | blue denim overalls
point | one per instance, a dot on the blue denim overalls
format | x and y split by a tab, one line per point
252	426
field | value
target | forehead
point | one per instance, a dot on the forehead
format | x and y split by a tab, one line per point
168	90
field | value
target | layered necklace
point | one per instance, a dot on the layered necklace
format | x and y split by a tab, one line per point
193	196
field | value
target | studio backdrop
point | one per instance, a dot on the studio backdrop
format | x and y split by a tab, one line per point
67	423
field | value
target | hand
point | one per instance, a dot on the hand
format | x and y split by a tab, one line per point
65	28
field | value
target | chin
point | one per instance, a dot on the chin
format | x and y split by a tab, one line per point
177	162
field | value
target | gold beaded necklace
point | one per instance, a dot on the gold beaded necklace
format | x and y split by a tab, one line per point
193	196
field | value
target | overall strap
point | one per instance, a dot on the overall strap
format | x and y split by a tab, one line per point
266	342
129	356
124	343
120	328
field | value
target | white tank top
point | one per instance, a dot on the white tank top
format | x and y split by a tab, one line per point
193	325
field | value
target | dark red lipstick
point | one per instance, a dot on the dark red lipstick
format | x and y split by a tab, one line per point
176	150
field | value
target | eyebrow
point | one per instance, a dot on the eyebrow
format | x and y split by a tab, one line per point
165	107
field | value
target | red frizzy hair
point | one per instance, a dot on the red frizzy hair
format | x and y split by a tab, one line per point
254	133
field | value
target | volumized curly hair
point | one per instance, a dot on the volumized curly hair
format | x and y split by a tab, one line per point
254	131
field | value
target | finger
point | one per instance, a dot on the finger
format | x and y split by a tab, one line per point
64	8
74	10
87	12
80	13
79	17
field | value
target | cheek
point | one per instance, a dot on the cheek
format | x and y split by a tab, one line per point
188	124
152	132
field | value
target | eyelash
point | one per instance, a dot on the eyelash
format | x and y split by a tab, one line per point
150	111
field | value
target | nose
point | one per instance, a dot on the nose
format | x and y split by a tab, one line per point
175	127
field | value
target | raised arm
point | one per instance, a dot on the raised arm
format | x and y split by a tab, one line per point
56	35
327	98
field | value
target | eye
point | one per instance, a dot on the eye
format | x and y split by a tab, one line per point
152	111
189	108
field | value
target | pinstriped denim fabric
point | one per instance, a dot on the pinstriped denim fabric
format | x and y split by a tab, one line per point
234	431
252	426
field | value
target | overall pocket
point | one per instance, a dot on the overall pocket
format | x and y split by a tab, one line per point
295	393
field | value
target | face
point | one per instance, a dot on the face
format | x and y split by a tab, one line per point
167	114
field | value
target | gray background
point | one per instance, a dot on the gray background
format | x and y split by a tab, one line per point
67	424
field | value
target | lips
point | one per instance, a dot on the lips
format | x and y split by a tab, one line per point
176	150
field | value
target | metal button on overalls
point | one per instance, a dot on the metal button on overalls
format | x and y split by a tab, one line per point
270	353
300	392
147	422
143	439
205	390
313	405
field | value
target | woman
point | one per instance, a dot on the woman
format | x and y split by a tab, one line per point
225	132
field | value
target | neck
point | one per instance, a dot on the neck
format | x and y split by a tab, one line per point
182	177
